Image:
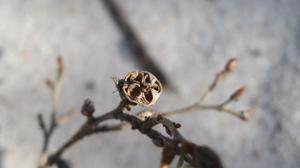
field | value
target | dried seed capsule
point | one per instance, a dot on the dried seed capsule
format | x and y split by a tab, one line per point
141	87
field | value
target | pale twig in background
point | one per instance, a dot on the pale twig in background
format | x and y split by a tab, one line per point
222	75
55	88
221	107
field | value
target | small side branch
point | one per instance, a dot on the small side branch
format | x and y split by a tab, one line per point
222	75
90	126
221	107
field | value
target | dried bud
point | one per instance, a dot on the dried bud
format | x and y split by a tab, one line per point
231	65
60	66
177	125
88	108
247	114
140	87
238	93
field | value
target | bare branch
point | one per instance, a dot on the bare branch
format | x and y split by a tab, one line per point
222	107
54	87
42	123
222	75
173	143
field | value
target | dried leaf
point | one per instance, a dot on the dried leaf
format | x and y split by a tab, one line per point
168	155
202	156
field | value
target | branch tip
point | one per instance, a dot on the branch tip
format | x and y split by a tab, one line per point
247	114
231	65
238	93
60	66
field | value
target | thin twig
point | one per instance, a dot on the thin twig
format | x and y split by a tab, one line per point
88	128
222	75
108	128
222	107
54	87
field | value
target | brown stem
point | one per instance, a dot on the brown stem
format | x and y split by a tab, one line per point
47	133
86	129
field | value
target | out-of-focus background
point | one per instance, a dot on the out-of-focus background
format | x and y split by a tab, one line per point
189	40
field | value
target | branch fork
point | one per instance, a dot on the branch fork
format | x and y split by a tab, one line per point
173	142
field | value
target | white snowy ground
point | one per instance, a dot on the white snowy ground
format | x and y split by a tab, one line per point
190	40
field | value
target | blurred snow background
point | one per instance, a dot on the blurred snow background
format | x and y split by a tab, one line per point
190	40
